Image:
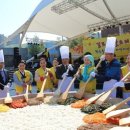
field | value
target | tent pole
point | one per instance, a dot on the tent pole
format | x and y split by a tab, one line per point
24	31
120	30
110	11
21	39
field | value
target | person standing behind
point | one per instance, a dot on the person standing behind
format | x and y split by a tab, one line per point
112	72
53	71
125	69
125	84
48	64
40	76
22	78
86	69
62	69
47	54
4	77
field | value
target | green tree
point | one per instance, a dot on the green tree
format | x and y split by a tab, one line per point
36	46
76	41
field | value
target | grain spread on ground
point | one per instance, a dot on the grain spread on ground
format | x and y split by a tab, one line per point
42	117
19	103
114	120
69	101
96	127
33	101
47	117
93	108
79	103
100	118
95	118
4	108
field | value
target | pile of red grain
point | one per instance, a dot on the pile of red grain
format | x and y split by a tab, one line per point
95	118
96	127
100	118
79	103
19	103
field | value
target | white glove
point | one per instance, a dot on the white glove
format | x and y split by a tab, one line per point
64	75
92	74
7	86
77	75
119	84
70	67
102	57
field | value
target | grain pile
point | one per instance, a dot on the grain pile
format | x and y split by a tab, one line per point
69	101
19	103
98	118
34	101
93	108
42	117
4	108
96	127
79	104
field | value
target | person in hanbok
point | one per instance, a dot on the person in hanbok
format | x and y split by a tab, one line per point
22	78
84	74
41	75
53	71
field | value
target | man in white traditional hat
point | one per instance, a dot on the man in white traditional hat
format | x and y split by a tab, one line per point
4	76
112	70
61	70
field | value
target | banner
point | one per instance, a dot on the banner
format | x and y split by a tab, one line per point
76	46
97	46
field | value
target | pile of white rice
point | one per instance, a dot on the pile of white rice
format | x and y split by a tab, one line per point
42	117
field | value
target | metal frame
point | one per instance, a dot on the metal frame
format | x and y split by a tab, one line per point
90	11
121	21
68	5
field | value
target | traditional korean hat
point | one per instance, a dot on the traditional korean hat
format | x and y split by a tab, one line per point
64	51
22	61
1	56
110	45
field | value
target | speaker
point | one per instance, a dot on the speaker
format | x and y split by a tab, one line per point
17	59
35	56
16	51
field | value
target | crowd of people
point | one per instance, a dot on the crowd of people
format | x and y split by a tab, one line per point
110	74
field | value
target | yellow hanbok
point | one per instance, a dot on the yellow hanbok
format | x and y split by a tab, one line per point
125	70
52	69
91	86
18	80
41	73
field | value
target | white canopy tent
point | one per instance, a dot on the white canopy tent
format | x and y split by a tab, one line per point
71	18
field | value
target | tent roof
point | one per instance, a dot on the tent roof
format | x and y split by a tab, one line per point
71	18
77	21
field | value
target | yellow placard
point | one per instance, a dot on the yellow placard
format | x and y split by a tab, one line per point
77	50
97	46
